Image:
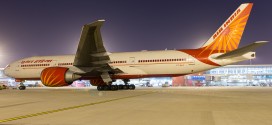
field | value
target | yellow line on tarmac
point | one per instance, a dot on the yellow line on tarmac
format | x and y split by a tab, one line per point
67	108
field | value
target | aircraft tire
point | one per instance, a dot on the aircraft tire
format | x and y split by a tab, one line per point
99	88
114	87
132	87
106	87
120	87
125	87
21	87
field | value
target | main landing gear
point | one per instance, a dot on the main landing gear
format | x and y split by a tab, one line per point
117	87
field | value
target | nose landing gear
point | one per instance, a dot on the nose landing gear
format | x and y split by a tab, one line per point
22	86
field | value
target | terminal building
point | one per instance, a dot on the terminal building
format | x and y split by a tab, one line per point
249	75
231	75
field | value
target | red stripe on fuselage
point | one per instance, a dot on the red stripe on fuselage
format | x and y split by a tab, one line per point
204	57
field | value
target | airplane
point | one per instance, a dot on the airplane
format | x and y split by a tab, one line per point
93	62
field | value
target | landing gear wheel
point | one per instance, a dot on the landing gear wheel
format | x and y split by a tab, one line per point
132	87
125	87
106	87
99	88
21	87
120	87
113	87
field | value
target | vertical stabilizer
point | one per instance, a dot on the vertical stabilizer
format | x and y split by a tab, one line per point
226	38
228	35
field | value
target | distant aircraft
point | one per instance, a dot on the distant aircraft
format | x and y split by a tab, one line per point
92	61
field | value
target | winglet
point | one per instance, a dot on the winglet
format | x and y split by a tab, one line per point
96	23
102	20
90	43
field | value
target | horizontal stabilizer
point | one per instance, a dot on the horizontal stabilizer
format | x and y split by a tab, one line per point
241	51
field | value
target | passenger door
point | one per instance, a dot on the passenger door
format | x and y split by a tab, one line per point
131	60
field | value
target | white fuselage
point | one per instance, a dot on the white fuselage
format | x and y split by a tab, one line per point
133	64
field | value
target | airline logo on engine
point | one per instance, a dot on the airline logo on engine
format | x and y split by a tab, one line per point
36	61
219	31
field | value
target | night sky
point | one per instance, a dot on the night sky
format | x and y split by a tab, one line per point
52	27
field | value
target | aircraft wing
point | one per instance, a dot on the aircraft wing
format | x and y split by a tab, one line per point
241	51
91	51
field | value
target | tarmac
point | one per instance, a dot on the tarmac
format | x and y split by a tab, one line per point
143	106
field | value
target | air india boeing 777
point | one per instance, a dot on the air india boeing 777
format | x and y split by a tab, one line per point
93	62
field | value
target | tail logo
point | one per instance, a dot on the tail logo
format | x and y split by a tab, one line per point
226	23
228	36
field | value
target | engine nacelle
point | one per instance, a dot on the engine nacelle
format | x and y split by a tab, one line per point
58	76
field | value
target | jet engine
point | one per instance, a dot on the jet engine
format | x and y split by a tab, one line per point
58	76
